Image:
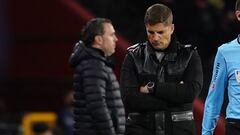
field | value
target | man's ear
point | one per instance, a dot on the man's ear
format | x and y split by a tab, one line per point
98	39
172	28
237	13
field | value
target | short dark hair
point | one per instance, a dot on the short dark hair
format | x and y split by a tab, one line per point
93	28
237	6
158	13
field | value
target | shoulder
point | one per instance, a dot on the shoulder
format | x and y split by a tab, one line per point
228	45
94	62
91	64
136	50
188	51
93	67
136	47
187	47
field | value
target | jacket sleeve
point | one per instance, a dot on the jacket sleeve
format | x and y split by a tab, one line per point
215	96
135	101
94	85
187	91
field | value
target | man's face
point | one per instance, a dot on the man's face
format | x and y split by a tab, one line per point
159	35
109	39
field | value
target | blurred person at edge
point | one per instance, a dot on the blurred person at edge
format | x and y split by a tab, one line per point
65	115
98	107
41	128
225	77
160	79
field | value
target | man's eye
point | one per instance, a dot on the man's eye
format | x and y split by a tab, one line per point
151	32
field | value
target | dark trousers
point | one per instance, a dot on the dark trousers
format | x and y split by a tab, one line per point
233	127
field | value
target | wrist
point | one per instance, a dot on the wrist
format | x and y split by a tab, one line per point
150	87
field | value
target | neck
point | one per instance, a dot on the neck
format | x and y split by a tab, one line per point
98	47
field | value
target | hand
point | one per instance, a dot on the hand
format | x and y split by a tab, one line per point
144	89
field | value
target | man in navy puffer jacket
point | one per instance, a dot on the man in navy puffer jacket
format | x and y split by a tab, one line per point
98	108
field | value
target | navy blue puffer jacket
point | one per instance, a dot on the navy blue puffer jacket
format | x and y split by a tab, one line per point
98	108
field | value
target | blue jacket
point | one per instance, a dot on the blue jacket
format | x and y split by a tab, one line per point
226	76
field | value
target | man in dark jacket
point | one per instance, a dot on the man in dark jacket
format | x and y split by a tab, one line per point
160	79
98	108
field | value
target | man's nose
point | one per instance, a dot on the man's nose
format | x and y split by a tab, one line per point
155	36
116	39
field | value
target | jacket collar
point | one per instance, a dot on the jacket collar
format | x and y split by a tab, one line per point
238	39
82	52
172	48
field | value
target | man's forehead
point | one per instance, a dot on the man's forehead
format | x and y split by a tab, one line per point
156	28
